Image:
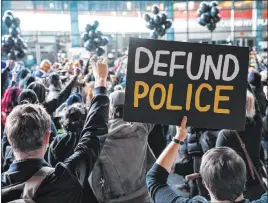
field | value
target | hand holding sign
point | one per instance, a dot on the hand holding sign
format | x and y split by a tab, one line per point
182	130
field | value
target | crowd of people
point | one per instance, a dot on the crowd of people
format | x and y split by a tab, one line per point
64	140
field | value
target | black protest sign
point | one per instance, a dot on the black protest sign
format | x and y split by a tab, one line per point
167	80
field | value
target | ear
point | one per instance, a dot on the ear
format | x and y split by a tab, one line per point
47	136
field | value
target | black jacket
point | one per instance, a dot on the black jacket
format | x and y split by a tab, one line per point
251	136
52	104
260	97
64	185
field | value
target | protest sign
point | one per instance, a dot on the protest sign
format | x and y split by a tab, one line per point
167	80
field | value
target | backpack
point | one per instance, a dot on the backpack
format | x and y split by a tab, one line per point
30	186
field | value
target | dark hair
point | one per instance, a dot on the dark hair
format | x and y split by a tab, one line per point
39	90
26	127
27	96
224	173
73	118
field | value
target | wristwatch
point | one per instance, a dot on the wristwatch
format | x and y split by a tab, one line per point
177	141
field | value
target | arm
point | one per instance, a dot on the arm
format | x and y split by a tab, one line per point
53	104
221	139
157	177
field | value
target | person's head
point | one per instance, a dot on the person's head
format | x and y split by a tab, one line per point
118	88
117	100
39	89
250	105
28	130
28	96
9	100
54	80
45	65
23	73
26	81
254	78
74	98
224	174
73	118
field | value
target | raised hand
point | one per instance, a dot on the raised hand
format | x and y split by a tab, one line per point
182	130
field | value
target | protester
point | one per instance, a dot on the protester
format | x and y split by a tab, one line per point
126	158
222	169
32	123
251	137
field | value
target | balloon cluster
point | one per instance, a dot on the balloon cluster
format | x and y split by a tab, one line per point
158	23
208	14
13	45
93	39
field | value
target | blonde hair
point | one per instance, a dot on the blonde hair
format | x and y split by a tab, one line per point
250	105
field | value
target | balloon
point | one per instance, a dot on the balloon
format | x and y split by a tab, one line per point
211	26
157	19
146	17
85	36
4	39
99	51
98	41
18	42
104	41
214	11
99	33
199	12
154	35
8	12
7	19
10	41
217	18
95	24
204	7
24	45
88	27
21	54
205	17
150	25
155	9
161	32
168	24
11	55
163	17
16	21
14	31
92	34
89	45
201	22
213	3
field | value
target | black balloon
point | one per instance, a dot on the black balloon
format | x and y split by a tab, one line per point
168	24
11	55
14	31
104	41
8	20
201	22
24	45
214	11
96	24
155	9
154	35
98	41
21	54
163	17
205	17
16	21
99	51
150	25
5	48
99	33
146	17
157	19
213	3
211	26
10	41
204	7
92	34
216	18
85	36
88	27
8	12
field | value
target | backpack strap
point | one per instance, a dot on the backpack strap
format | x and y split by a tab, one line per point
32	185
